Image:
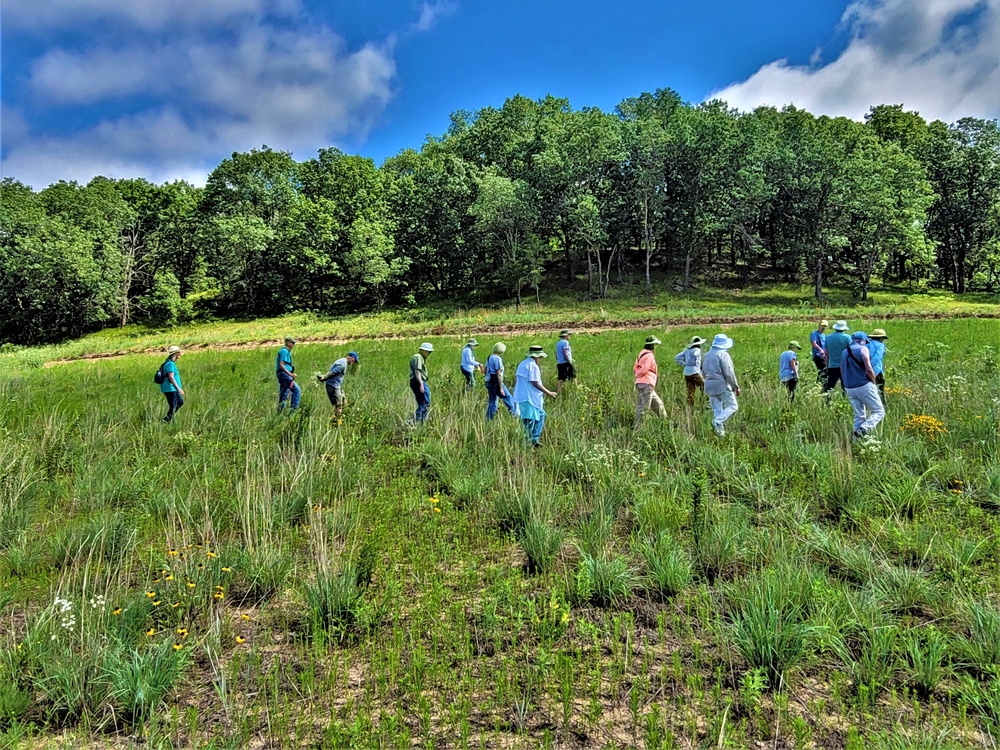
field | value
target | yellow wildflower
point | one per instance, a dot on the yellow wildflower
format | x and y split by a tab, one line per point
150	594
151	632
182	632
175	605
227	569
437	510
218	595
245	617
117	611
155	602
173	552
178	646
190	584
240	639
210	554
169	578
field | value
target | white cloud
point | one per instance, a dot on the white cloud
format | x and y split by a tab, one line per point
145	14
292	86
938	57
431	12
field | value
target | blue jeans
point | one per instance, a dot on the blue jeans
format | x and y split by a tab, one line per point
174	402
533	428
495	397
423	400
470	379
288	386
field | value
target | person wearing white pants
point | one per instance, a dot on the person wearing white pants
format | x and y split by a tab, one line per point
720	382
859	385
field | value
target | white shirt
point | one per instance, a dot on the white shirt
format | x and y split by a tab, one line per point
527	372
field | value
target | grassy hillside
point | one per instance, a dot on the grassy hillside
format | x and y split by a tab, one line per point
627	307
241	578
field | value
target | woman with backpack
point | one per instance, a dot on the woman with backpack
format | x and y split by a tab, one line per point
169	379
645	382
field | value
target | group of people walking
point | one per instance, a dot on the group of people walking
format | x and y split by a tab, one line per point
854	361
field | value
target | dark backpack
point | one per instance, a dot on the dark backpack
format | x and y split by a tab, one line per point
160	375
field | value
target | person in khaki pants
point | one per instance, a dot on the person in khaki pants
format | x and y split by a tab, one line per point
645	382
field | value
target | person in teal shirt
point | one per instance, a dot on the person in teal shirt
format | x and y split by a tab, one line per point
285	372
171	386
836	343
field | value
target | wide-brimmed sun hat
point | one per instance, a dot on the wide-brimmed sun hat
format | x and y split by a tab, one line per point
794	345
536	351
652	341
174	350
824	323
722	341
425	347
841	325
472	342
878	333
695	341
565	332
859	336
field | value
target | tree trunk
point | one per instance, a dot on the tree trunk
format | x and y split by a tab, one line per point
819	278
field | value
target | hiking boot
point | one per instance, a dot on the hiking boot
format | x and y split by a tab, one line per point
718	429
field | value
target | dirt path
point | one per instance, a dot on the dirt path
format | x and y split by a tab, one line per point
515	329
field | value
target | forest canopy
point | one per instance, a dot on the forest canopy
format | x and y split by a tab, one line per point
508	198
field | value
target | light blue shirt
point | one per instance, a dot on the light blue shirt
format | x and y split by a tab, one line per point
876	350
524	392
564	353
469	362
166	386
692	360
494	366
785	371
336	374
816	337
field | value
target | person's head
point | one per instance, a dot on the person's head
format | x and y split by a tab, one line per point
472	342
536	352
841	326
352	358
290	343
823	325
859	337
794	345
722	341
565	333
651	342
499	347
425	350
696	341
173	353
878	334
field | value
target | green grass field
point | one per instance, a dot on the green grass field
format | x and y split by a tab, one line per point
243	579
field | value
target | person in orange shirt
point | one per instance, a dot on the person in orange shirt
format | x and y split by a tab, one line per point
645	382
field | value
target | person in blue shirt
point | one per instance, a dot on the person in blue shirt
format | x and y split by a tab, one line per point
836	343
469	364
334	380
494	383
565	367
858	379
171	385
529	395
817	341
876	348
285	372
788	368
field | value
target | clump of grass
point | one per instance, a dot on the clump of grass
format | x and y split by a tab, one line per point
540	542
668	566
138	681
259	572
926	654
335	600
719	540
767	621
603	581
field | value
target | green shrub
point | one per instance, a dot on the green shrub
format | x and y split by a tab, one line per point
603	582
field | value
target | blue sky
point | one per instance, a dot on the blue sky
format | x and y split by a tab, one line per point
165	89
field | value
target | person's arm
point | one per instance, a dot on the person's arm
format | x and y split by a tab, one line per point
817	349
729	373
643	366
542	388
866	358
418	373
568	353
795	367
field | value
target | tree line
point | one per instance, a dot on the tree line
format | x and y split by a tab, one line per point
508	198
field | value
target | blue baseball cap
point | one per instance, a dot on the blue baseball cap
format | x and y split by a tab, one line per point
860	336
355	355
